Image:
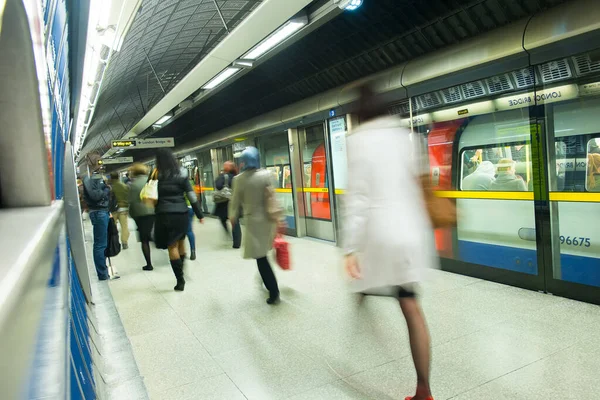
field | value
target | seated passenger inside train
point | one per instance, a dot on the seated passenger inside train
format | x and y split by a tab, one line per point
481	179
593	180
507	180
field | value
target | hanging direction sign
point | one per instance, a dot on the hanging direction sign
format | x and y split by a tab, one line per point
123	143
143	143
154	143
116	160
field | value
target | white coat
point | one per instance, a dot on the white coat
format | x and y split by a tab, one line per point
385	221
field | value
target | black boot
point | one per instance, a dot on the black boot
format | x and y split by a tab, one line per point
177	266
193	255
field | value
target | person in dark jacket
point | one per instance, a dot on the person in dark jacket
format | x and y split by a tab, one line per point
142	214
96	194
221	209
171	224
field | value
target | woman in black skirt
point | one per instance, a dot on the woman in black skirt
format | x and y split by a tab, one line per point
171	210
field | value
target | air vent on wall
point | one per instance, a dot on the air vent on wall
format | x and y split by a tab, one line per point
499	84
406	109
584	65
429	100
473	89
398	108
555	71
451	95
524	77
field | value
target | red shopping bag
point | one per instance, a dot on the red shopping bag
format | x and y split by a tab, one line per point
282	252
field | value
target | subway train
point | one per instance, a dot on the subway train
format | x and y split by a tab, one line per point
500	232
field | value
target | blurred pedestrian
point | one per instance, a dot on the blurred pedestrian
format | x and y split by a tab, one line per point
142	214
171	224
190	233
224	183
121	193
249	193
388	232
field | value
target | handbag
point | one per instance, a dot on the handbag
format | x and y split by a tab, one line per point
149	193
224	194
442	211
282	252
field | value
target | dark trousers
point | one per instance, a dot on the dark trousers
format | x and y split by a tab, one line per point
268	277
237	231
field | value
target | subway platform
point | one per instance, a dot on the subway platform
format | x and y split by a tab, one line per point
218	340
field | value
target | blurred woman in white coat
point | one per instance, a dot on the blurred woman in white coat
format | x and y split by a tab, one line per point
388	239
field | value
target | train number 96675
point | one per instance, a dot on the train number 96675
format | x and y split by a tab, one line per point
575	241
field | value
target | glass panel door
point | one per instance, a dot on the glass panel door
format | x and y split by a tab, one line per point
205	181
315	183
275	157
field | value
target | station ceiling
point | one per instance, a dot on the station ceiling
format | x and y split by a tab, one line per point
379	35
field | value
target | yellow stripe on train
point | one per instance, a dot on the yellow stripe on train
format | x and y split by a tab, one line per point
556	196
456	194
575	197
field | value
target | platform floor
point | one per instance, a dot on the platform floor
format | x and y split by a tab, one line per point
219	340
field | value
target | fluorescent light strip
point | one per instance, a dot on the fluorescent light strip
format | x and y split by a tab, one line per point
222	77
279	36
163	119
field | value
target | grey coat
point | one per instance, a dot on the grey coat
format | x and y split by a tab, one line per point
249	194
137	208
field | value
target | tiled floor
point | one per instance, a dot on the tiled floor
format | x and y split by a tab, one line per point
219	340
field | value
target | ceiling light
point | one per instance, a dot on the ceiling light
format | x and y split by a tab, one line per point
349	5
164	119
277	37
243	63
222	77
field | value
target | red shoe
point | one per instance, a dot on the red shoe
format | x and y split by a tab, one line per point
410	398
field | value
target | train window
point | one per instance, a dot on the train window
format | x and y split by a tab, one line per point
501	168
593	166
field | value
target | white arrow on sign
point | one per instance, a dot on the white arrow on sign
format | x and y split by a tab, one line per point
117	160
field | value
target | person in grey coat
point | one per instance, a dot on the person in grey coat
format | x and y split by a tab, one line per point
249	189
142	214
507	179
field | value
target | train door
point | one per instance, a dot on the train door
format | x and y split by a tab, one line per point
315	207
570	199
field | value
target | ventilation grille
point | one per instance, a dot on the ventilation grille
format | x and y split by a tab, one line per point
429	100
524	77
473	89
398	108
499	84
452	95
405	108
555	71
585	66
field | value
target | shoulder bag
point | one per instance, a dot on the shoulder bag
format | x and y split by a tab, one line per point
149	193
442	211
223	195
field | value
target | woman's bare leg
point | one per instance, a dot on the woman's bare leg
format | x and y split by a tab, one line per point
419	344
174	252
181	248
